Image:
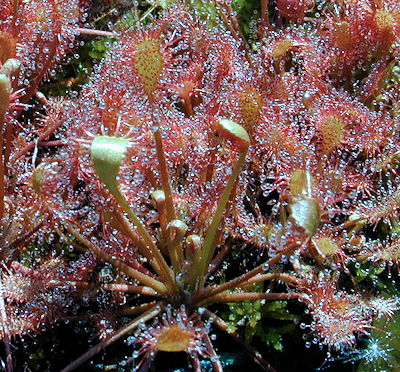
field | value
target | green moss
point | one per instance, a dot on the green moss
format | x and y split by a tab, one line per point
254	319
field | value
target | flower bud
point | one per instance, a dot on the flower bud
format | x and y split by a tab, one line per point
176	230
193	246
158	197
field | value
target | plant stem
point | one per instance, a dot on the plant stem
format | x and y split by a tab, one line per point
5	91
134	264
264	14
207	251
195	363
7	145
348	223
89	31
131	272
226	12
271	276
248	296
165	178
107	155
219	257
214	358
175	250
240	280
210	167
15	4
175	257
134	310
126	229
146	291
155	254
159	200
153	312
2	175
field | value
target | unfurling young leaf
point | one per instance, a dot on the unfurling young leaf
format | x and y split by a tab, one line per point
107	155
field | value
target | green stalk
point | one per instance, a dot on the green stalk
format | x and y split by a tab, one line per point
248	296
126	228
250	275
138	309
165	178
128	270
119	287
107	155
235	133
162	266
208	249
272	276
175	250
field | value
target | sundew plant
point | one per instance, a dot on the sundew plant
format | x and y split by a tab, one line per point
208	129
